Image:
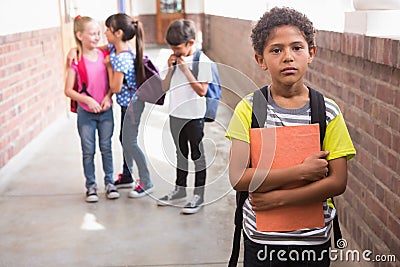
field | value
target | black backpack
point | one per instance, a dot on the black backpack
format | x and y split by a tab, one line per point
259	115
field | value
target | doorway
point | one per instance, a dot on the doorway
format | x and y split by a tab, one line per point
168	11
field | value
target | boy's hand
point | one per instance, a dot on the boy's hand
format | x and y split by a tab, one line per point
315	167
266	201
172	60
175	60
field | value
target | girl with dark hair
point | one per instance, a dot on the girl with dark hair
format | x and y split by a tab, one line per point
126	71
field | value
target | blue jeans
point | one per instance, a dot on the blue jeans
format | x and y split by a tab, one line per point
130	120
88	123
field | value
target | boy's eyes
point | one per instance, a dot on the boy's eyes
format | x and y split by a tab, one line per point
279	50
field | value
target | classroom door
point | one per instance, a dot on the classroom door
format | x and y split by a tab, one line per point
168	11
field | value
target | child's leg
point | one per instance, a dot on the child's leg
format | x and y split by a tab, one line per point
133	149
180	138
87	129
105	129
196	129
125	169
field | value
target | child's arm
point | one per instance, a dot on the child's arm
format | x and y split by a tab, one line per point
332	185
71	93
166	83
244	178
115	78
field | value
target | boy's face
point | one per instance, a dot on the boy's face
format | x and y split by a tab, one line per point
183	49
286	55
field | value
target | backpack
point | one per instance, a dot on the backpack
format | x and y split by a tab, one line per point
213	94
84	80
150	89
259	115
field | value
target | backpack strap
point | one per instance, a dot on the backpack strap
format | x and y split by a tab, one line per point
195	66
83	76
258	117
318	112
259	110
318	115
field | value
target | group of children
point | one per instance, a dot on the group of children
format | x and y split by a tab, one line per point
117	71
284	44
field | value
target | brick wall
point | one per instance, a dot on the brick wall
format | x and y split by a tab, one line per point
31	87
362	74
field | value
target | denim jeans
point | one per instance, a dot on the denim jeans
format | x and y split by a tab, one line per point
88	123
130	120
285	256
184	132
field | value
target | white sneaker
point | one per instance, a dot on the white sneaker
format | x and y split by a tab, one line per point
91	194
111	191
140	191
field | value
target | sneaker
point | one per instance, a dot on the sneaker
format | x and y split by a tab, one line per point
91	194
111	191
194	205
141	190
175	197
124	181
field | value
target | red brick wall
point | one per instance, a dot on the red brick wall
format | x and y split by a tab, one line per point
362	74
31	87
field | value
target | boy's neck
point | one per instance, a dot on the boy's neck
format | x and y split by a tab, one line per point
291	97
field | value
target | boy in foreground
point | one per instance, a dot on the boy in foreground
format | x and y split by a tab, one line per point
284	44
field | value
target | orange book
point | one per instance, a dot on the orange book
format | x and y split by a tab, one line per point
283	147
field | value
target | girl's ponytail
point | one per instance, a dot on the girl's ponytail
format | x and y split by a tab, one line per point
139	66
79	26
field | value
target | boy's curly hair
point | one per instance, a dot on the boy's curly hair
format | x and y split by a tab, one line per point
278	17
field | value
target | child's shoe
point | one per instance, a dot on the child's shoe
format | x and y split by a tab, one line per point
91	194
176	196
194	205
124	181
111	191
141	190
